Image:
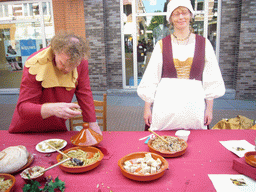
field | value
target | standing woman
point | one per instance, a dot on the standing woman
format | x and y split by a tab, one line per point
50	79
182	78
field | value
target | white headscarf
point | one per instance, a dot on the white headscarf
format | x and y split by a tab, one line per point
173	4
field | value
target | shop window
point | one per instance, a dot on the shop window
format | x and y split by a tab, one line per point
22	34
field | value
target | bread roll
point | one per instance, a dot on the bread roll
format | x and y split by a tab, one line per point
13	158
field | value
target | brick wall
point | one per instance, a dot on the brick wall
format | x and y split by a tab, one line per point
246	74
228	34
114	48
94	23
237	47
69	15
102	21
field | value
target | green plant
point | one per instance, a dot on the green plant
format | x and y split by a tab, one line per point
50	186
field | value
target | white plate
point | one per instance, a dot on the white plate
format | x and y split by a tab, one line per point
47	149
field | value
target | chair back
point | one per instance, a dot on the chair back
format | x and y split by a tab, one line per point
101	115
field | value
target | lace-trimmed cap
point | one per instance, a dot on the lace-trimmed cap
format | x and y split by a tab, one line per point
173	4
42	66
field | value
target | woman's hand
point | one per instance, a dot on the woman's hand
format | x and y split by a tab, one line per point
95	127
207	117
147	114
61	110
208	112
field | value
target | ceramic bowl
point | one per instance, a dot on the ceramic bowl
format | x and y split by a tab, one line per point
38	177
138	177
85	168
182	134
250	158
86	137
166	153
8	176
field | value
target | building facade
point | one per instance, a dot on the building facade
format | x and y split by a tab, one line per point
237	47
122	35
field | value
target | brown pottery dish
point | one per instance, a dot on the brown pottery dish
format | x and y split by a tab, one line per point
169	153
142	177
250	158
83	168
6	177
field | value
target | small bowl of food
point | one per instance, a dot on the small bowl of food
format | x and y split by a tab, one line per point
33	173
89	156
143	166
176	148
183	134
250	158
7	182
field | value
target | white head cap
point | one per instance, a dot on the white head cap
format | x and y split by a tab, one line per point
173	4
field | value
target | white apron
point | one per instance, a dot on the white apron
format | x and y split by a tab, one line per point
178	104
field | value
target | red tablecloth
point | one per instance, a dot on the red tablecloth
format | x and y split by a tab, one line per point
205	155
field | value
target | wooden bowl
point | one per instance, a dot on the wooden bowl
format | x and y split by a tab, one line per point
166	153
8	176
85	168
250	158
137	177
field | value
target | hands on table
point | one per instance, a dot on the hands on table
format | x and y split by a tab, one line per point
95	127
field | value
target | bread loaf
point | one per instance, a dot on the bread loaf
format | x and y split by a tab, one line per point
13	158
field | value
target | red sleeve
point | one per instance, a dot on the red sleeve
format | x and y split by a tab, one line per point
28	105
84	93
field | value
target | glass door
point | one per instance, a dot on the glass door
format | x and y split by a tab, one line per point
143	24
24	29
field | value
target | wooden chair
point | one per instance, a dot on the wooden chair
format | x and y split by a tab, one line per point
101	115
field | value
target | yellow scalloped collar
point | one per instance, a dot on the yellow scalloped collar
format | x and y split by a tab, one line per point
43	67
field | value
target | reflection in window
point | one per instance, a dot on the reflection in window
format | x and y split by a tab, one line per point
152	6
200	6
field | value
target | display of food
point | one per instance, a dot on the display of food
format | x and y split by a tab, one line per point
13	158
57	143
146	165
176	144
143	166
5	184
32	172
86	157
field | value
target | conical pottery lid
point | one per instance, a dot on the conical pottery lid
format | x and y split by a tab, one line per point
86	137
